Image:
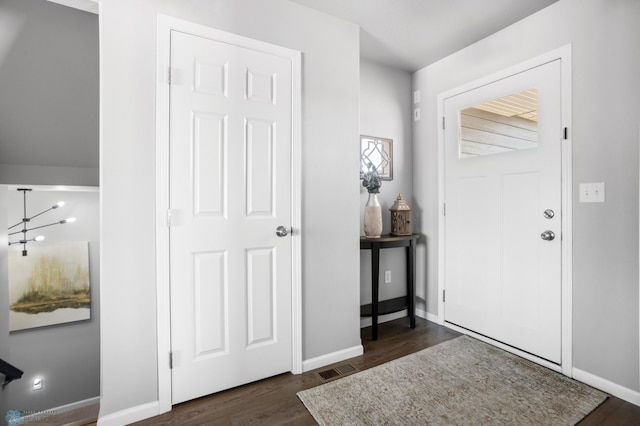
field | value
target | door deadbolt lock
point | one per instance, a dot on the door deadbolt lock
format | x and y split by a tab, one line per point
283	231
548	235
549	214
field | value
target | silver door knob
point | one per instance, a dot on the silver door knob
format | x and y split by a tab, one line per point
282	231
549	214
548	235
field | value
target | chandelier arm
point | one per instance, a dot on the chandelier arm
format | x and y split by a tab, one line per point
22	241
60	222
42	212
26	220
13	226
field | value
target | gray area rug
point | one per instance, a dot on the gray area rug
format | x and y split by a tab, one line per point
459	382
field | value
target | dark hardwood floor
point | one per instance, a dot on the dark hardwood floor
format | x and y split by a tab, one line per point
274	402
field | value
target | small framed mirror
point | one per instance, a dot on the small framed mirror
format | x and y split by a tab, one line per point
377	154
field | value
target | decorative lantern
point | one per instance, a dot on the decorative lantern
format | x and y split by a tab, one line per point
400	217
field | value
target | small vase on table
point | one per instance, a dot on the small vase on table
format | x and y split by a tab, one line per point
372	211
373	217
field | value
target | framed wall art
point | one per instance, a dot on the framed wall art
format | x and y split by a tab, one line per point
49	286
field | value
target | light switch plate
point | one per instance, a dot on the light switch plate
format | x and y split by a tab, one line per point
416	97
416	114
592	192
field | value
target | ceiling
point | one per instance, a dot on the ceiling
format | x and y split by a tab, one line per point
411	34
86	5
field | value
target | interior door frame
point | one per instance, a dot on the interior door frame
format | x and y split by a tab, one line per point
564	55
165	25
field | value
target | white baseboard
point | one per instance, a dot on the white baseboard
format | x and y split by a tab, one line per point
141	412
426	315
130	415
607	386
321	361
35	417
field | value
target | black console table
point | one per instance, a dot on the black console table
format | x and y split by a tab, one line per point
393	305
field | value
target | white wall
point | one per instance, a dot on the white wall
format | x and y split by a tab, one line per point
330	160
386	111
604	36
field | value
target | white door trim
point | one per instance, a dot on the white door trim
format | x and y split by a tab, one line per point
564	54
166	24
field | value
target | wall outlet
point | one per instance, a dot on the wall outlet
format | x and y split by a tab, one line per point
387	277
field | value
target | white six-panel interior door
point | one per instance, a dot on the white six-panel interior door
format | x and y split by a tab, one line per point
501	279
230	187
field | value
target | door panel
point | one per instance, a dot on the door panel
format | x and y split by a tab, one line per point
260	162
261	318
472	256
502	171
230	187
209	141
521	238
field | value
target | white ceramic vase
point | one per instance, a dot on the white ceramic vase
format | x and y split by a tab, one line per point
373	217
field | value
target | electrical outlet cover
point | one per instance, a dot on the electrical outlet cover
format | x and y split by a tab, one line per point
592	192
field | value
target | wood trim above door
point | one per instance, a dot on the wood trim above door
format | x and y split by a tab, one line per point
166	24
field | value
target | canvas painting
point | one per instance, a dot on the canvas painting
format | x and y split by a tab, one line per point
49	286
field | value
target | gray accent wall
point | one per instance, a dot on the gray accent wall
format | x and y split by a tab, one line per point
330	180
66	356
48	89
386	111
49	136
4	293
604	37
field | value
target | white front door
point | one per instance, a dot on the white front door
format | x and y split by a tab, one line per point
230	188
503	210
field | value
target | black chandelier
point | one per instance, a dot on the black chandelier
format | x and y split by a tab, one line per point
26	220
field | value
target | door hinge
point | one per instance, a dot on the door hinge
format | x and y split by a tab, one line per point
170	360
169	218
444	209
444	296
443	122
566	133
169	75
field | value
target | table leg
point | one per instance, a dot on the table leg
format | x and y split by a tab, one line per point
375	274
411	286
